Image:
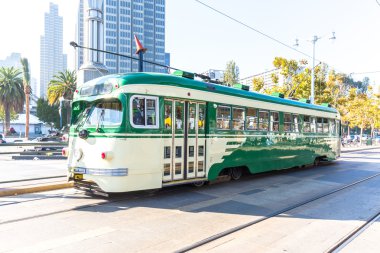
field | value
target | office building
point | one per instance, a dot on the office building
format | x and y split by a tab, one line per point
52	59
122	20
267	78
93	60
12	61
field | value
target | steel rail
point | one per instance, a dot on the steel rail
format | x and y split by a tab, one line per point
271	215
351	236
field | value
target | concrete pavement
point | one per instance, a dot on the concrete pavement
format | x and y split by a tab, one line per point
41	185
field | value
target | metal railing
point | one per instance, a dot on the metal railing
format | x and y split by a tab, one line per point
18	147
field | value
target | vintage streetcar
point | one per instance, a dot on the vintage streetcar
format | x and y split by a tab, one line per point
140	131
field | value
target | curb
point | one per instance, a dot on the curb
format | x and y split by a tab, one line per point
32	189
360	149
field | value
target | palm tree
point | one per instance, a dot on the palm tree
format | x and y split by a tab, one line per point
11	93
62	85
27	91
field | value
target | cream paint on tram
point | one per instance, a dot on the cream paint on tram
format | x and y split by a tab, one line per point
208	96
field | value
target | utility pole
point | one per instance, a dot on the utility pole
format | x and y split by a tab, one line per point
315	39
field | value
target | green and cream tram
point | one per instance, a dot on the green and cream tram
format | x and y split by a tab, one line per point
143	131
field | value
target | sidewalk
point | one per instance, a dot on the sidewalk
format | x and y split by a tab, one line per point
363	147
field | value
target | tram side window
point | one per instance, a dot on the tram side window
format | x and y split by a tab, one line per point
295	125
325	125
306	124
238	116
191	117
287	122
223	117
332	127
274	121
144	111
263	120
168	116
312	125
337	127
201	117
319	125
251	119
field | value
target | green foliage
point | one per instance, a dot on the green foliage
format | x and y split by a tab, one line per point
231	74
12	95
13	115
62	85
353	99
258	84
25	72
50	113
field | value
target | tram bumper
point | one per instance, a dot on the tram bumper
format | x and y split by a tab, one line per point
114	180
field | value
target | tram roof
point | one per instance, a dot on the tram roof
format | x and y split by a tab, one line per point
171	80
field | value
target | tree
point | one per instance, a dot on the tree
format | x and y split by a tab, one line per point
231	74
62	85
296	78
258	84
12	95
27	92
14	115
48	113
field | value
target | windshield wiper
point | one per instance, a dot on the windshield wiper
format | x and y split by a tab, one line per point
83	118
100	119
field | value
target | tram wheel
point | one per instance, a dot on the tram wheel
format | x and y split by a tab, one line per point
317	161
199	183
236	173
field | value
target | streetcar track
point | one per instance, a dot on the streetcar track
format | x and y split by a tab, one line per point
166	190
354	234
271	215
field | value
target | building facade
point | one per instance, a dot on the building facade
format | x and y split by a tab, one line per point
122	20
267	78
12	61
52	59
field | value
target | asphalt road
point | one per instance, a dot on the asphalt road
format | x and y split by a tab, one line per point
171	219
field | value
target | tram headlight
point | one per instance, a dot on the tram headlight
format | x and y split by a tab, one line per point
107	155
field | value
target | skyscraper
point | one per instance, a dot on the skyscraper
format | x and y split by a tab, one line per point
122	20
12	61
52	59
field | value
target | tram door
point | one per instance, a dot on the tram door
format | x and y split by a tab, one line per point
184	148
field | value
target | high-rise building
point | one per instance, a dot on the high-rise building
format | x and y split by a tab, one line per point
52	59
122	20
93	37
12	61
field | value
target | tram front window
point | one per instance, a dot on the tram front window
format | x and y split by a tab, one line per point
105	114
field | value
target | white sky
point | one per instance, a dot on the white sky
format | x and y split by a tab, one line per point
199	39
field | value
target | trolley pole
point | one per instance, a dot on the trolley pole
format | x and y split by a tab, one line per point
140	50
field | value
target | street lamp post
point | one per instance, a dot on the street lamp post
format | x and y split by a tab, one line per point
315	39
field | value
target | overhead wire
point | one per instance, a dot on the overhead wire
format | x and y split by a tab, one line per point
260	32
